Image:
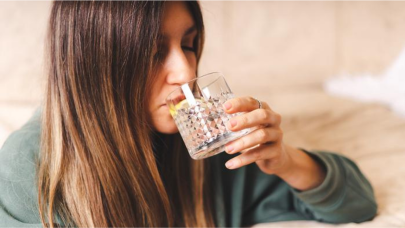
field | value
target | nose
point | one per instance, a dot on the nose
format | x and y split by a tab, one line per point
178	67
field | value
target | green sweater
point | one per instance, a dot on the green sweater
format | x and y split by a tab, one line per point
243	197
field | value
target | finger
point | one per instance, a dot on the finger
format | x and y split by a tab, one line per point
242	104
260	136
254	118
259	153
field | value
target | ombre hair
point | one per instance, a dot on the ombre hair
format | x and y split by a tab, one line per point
97	162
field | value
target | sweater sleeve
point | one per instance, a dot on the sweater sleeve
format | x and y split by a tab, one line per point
247	196
344	196
18	193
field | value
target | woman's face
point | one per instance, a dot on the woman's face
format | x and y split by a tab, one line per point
178	62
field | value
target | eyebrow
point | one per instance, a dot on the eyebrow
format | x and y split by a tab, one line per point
190	30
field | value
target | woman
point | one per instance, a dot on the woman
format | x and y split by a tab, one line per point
109	153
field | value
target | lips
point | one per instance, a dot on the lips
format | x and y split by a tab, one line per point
177	99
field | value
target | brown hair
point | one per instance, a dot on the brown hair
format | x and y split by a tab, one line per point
97	165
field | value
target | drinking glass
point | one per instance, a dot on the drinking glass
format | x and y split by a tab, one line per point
197	109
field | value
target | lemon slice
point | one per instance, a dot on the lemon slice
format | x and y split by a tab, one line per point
181	105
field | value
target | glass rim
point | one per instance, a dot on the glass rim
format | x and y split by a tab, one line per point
193	80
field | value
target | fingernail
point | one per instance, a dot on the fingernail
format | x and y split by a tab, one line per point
227	105
229	149
229	164
233	123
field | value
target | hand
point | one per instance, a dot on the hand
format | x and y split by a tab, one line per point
265	146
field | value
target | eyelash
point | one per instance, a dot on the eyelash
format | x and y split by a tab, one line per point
192	49
159	54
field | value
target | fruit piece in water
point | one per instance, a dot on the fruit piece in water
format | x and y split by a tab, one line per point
181	105
173	108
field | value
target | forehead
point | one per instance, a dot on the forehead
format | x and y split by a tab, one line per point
176	19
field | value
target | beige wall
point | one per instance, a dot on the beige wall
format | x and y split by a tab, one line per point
264	48
273	46
22	29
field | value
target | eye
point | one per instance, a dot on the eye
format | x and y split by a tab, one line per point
188	44
192	49
159	54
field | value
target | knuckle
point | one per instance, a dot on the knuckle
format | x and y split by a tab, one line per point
242	143
256	154
244	120
237	101
280	134
262	135
278	118
265	114
240	160
252	101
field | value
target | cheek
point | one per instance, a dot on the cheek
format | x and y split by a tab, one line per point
163	122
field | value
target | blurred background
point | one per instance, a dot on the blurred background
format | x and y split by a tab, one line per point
280	45
281	52
263	48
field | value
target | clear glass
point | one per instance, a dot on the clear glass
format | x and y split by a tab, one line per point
197	109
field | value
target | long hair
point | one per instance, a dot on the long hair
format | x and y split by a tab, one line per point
97	165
